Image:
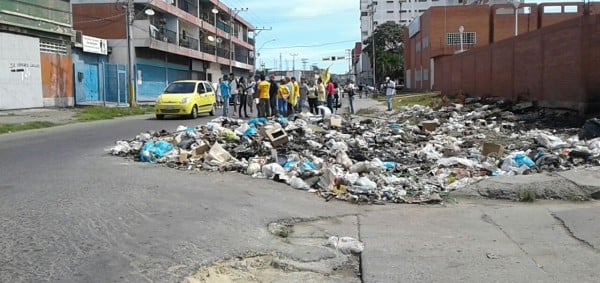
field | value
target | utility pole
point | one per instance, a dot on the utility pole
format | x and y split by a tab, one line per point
130	64
373	43
293	61
280	62
304	62
235	12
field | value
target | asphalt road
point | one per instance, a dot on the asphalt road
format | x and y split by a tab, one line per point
70	212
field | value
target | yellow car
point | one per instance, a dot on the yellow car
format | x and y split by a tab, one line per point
186	98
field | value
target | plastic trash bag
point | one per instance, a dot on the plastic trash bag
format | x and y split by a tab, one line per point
299	184
257	121
253	168
251	132
325	112
549	141
242	129
272	169
365	183
343	159
122	147
346	245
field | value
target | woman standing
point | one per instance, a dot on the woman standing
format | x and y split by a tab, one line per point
282	98
243	98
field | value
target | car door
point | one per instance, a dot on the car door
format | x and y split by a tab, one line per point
210	94
201	97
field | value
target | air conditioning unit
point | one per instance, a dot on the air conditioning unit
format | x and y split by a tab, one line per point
78	39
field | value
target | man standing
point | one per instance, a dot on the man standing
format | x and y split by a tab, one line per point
250	87
225	95
390	90
272	97
330	89
263	89
351	92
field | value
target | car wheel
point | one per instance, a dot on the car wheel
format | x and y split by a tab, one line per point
213	110
194	113
160	116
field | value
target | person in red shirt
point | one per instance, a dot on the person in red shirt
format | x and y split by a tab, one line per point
330	89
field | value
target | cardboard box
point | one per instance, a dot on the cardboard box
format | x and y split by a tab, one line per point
335	122
183	156
277	137
492	148
429	125
200	150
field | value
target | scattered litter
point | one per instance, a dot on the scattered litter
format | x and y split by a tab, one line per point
412	156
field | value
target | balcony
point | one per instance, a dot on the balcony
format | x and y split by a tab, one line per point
188	42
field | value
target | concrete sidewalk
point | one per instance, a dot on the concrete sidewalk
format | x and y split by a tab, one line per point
52	115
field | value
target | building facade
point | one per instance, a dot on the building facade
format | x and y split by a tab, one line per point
376	12
35	62
171	40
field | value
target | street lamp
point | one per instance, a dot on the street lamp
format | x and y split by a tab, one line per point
516	4
258	53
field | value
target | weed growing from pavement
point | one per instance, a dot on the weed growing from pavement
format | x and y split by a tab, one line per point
527	196
432	99
105	113
9	128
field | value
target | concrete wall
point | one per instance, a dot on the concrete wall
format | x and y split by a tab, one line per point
555	66
20	72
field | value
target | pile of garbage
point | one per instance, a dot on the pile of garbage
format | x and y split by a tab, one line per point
414	156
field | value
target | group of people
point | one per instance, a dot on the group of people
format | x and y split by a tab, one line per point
282	97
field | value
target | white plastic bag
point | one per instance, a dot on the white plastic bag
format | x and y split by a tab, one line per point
346	245
299	184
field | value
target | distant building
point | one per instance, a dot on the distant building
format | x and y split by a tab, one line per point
172	40
35	48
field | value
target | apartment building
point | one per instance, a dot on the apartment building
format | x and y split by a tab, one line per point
172	39
35	47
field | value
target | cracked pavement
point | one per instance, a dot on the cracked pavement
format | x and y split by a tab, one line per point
70	213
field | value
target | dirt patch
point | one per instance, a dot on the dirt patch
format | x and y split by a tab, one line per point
270	268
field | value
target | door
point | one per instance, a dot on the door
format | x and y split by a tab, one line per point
90	82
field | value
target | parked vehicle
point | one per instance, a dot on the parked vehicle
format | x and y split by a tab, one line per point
186	98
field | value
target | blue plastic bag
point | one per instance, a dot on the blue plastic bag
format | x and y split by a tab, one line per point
523	159
250	132
256	121
389	164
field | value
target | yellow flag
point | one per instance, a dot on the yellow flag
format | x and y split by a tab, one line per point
326	75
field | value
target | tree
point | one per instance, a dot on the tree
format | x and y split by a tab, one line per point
389	46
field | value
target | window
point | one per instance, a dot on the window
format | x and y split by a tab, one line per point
425	43
375	23
364	14
390	1
403	11
425	74
570	9
418	46
418	75
422	0
453	38
552	9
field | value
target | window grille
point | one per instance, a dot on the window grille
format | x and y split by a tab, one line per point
453	38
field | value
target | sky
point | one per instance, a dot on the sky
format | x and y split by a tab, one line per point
308	29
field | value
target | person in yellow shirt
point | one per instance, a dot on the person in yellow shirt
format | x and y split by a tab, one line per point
283	94
321	94
263	96
294	96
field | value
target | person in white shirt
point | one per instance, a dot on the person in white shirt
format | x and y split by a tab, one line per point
233	86
390	90
250	92
351	89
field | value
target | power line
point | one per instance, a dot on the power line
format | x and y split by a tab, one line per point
307	46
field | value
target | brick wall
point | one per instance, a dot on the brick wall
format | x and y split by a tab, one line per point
100	20
555	66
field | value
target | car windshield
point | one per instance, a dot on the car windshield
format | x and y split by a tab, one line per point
187	87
